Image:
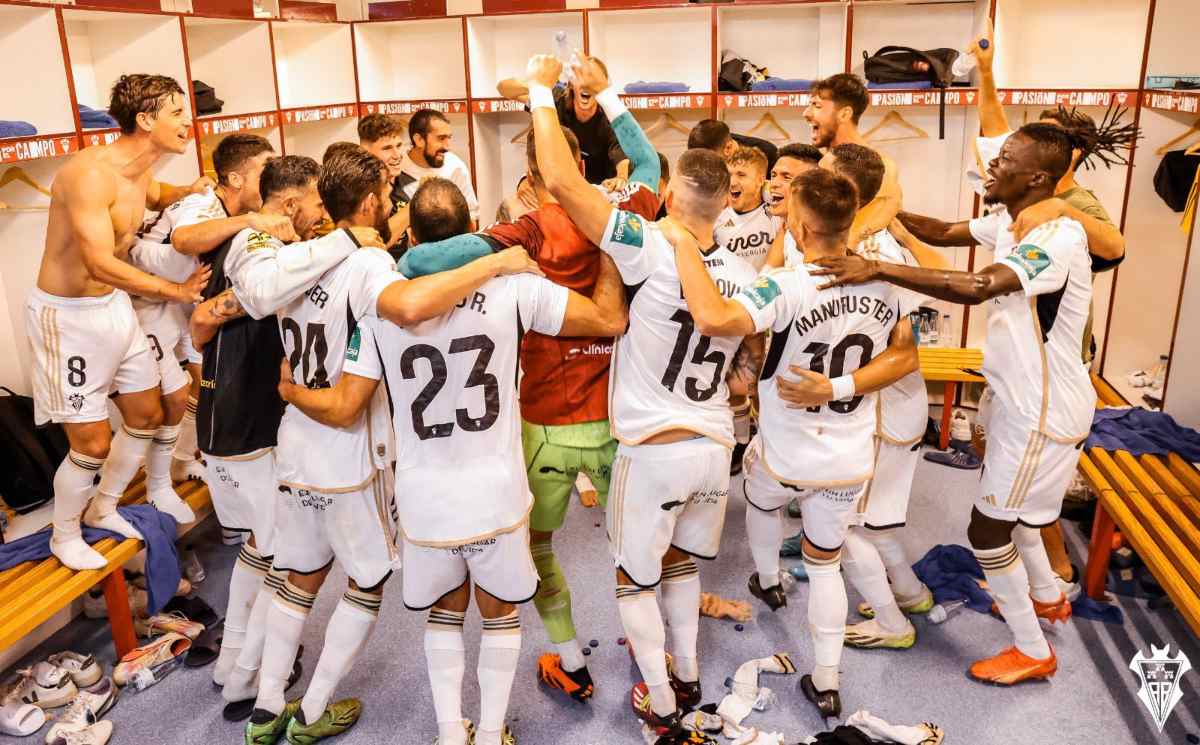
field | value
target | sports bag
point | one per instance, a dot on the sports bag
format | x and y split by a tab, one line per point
32	454
893	64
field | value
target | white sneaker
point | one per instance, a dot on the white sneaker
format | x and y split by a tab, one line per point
82	668
87	708
93	734
46	686
960	426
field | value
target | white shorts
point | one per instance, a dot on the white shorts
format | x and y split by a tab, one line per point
164	325
243	490
187	353
500	565
355	527
83	349
827	512
884	503
1025	473
664	496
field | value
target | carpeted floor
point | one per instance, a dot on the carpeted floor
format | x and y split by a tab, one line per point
1091	700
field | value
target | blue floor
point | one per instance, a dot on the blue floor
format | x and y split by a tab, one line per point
1091	701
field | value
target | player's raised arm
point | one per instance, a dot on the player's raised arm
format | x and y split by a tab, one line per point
714	314
969	288
206	235
992	120
88	198
159	196
881	210
604	314
339	406
927	256
935	232
642	164
586	206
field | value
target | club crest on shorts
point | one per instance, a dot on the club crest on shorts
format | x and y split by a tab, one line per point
76	401
1160	676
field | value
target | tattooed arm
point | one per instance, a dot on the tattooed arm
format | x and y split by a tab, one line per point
210	314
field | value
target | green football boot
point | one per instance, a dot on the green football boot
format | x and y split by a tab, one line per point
336	719
259	732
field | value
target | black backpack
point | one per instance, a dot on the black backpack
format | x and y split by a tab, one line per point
32	454
894	64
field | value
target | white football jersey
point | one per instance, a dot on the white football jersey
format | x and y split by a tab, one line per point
153	252
665	375
904	405
452	381
316	327
792	255
748	234
1031	355
833	332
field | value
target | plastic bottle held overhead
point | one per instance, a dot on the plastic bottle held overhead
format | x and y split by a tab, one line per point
965	62
566	55
942	611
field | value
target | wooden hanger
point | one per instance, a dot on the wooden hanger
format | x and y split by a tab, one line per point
768	119
894	117
666	121
1190	131
523	135
17	174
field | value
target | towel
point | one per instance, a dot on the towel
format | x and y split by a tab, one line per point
162	560
1142	432
746	694
91	118
1084	607
16	129
882	731
908	85
645	86
783	84
953	573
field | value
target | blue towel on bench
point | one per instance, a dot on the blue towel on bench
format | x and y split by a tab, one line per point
1141	432
162	560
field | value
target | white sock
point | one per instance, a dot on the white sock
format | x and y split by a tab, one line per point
185	446
1009	584
285	623
827	607
570	654
73	484
242	681
244	584
905	583
499	650
160	491
865	569
681	605
764	532
446	661
125	455
1043	582
644	628
347	634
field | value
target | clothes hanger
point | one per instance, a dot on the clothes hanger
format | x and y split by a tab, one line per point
1190	131
666	121
768	119
16	173
894	117
519	139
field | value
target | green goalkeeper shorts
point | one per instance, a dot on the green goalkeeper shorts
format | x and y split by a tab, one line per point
554	456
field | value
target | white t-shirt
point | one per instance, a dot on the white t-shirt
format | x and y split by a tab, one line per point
153	252
748	234
792	255
904	405
316	326
452	380
833	332
664	374
1031	355
453	169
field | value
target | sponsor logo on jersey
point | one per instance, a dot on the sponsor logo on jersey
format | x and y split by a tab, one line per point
354	345
628	230
1030	258
1160	674
595	348
258	240
749	243
762	293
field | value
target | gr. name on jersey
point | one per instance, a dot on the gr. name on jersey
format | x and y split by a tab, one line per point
832	332
452	380
748	234
665	375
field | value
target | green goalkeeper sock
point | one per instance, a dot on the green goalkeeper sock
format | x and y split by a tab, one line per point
553	599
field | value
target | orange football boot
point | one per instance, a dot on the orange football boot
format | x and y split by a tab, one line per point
1013	666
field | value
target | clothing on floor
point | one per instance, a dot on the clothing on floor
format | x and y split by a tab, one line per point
883	731
745	692
1084	607
842	735
952	573
655	86
162	559
1143	432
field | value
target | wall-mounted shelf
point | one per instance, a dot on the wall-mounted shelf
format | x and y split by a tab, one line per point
1053	97
664	101
226	125
407	108
1187	102
38	147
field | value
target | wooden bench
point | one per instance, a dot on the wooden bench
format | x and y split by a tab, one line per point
951	366
33	592
1153	501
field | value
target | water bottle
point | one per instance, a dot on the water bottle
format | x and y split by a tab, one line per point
945	335
566	55
965	62
149	676
942	611
930	331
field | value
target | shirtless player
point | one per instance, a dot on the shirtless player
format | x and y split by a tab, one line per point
85	337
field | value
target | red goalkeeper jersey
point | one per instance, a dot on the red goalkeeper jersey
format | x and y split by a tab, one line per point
566	378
